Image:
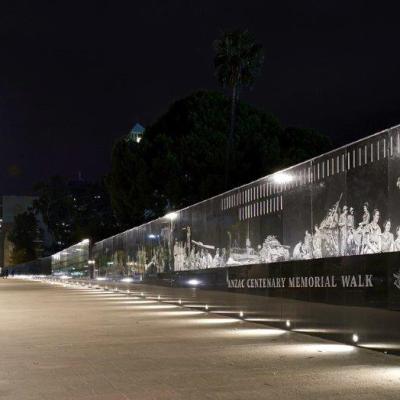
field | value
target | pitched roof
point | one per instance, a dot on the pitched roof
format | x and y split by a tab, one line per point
137	129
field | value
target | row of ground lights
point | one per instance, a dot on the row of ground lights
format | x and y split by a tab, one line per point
355	337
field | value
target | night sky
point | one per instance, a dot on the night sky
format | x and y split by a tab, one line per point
75	76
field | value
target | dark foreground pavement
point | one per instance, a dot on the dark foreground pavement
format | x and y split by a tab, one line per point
60	343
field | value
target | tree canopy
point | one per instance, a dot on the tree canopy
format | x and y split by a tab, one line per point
74	210
181	158
238	59
25	236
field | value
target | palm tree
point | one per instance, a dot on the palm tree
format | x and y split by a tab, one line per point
237	61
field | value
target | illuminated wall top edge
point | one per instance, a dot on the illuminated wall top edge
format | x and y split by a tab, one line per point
281	177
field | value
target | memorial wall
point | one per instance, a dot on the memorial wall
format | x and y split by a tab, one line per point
315	245
343	203
72	261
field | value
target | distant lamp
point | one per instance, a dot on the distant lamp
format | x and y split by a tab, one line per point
355	338
193	282
282	178
172	216
288	324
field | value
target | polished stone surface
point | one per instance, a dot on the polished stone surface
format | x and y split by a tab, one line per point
66	343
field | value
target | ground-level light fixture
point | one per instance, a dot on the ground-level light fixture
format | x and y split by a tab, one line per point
355	338
288	323
241	314
180	301
127	280
206	307
193	282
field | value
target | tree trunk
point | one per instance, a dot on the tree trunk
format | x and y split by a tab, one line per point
230	136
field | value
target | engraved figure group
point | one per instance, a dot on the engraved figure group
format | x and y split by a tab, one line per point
338	235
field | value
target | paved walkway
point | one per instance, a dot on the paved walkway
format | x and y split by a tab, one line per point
61	343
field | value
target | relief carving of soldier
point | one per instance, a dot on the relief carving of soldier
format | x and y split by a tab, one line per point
373	240
387	238
343	231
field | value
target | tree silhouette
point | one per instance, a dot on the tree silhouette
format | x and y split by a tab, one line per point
26	237
237	62
180	159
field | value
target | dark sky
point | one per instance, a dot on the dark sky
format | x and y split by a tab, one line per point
75	76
